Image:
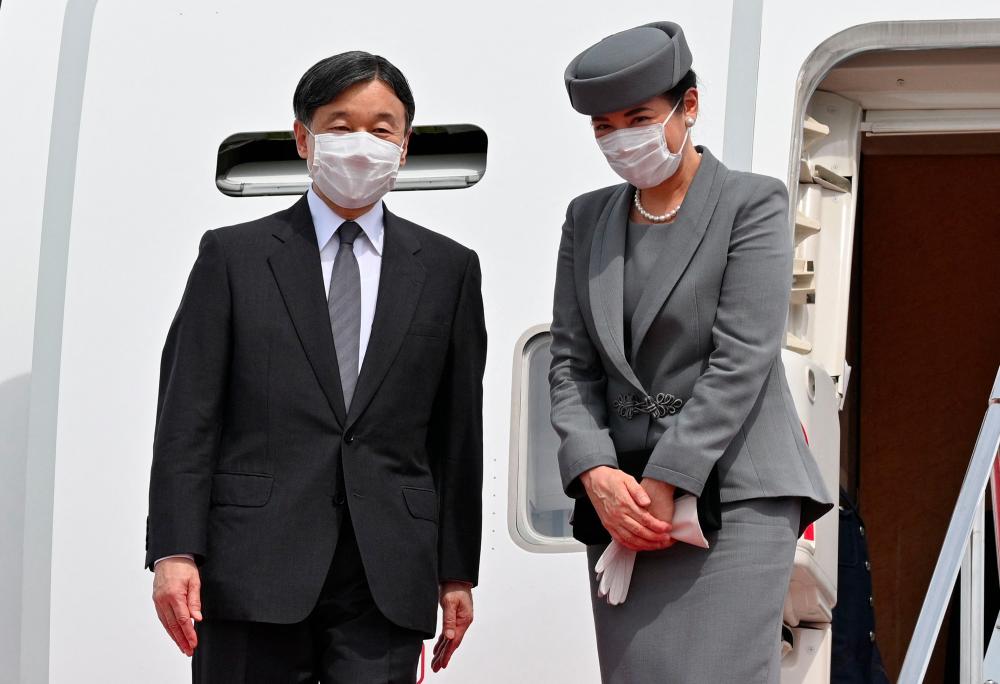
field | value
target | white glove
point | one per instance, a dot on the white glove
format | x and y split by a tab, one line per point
685	526
614	567
614	572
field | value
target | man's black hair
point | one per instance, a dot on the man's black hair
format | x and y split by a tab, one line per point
328	78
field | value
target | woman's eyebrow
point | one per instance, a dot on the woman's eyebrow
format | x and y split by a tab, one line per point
631	112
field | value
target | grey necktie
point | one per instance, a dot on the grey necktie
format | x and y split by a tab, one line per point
344	303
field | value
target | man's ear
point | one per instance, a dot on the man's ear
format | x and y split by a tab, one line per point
405	146
301	139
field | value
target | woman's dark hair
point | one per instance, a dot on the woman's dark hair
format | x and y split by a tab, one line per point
688	81
328	78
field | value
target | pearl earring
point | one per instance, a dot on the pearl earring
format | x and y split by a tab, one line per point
689	121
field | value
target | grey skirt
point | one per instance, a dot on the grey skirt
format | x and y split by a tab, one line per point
704	615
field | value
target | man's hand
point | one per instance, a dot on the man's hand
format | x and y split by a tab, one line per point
661	496
456	602
177	597
621	504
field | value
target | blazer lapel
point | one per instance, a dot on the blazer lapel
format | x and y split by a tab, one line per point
297	270
607	280
702	196
400	283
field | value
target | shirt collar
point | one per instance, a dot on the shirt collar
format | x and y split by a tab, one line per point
327	221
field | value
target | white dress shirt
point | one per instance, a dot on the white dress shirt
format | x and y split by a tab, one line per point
368	252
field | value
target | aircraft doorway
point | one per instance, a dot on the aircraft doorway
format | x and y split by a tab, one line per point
928	334
918	135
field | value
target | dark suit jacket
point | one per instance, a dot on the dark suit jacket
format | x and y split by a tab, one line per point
252	435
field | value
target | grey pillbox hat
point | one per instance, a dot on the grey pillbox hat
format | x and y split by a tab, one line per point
627	68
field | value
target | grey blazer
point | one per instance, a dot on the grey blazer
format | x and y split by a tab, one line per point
706	384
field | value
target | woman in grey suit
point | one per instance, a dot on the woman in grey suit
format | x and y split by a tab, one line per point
670	302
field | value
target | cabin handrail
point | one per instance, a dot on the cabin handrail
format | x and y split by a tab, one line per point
968	511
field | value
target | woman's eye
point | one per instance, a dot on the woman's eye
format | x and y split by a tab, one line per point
640	119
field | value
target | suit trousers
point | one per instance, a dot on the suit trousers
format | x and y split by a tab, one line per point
345	639
704	616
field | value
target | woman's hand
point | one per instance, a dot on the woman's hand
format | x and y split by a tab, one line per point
621	504
661	495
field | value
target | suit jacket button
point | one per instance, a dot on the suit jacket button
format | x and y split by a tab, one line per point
349	436
338	499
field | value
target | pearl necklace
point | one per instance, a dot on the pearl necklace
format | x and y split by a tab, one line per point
652	217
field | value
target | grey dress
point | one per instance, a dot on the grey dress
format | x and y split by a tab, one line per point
698	379
645	243
681	594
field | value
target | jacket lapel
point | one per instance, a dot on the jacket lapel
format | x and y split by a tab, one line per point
607	278
703	196
400	283
297	270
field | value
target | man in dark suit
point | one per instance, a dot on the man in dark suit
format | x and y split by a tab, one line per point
317	464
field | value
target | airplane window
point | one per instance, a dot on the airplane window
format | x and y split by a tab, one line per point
439	158
540	510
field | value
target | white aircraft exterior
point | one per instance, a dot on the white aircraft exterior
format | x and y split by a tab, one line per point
113	117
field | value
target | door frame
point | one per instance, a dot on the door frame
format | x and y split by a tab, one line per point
877	37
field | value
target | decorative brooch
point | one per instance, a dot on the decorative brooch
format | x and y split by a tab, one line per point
659	406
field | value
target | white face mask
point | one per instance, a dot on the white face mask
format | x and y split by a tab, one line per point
640	155
354	169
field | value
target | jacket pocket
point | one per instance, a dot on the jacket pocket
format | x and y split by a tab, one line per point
428	330
241	489
422	503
